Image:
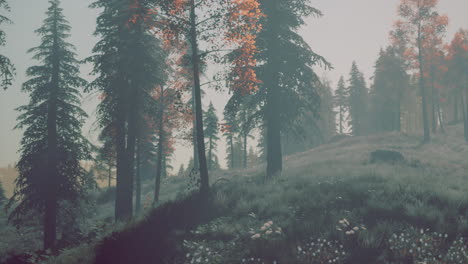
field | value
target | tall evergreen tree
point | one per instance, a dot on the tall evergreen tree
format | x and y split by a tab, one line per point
52	145
390	80
7	70
358	102
288	89
229	129
457	61
211	134
341	102
128	63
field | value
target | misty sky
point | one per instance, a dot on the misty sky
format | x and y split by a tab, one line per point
350	30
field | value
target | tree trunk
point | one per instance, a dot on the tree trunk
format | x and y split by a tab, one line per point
341	120
245	150
465	114
455	107
210	155
109	176
138	177
120	212
433	103
204	178
51	203
232	152
130	155
157	185
273	106
427	133
194	134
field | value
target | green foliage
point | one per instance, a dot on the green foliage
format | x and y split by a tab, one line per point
211	134
313	129
390	81
341	102
358	102
7	69
32	184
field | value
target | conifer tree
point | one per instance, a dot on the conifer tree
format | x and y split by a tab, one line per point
128	64
358	102
288	86
52	145
390	80
341	102
229	129
211	134
457	61
7	70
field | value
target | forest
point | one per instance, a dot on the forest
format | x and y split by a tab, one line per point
295	168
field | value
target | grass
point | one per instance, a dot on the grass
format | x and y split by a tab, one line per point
309	203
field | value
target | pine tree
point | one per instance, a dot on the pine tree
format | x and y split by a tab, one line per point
211	134
326	120
457	75
358	102
341	102
229	130
52	145
288	88
7	70
390	80
128	63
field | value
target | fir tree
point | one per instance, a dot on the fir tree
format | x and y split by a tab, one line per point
358	99
211	134
288	86
128	64
390	79
341	102
52	145
7	70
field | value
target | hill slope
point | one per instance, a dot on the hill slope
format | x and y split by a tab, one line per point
330	206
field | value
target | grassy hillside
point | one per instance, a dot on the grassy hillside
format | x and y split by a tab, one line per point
331	205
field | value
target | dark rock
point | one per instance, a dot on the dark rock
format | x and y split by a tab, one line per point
387	156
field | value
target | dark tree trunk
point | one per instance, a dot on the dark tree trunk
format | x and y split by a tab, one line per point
464	101
51	203
273	106
232	152
194	134
398	108
120	212
433	103
204	180
455	108
130	155
109	176
341	119
210	155
157	185
427	133
138	177
245	150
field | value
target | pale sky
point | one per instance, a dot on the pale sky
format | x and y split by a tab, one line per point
349	30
